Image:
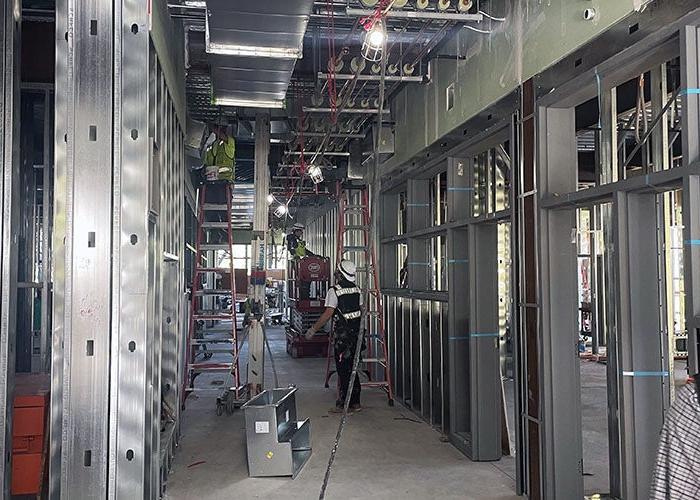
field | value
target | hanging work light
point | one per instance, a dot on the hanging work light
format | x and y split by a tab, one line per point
282	210
316	174
270	199
373	44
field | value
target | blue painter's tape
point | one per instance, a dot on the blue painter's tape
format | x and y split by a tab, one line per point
417	204
598	85
692	242
689	92
458	261
644	374
474	335
460	189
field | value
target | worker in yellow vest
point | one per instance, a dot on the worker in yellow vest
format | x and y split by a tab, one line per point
295	243
219	158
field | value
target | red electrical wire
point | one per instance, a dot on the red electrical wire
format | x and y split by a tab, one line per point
369	21
332	92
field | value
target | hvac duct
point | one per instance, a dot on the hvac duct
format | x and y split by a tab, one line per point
254	47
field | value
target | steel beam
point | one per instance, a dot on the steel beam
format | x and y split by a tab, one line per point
9	156
483	338
373	78
361	111
419	14
690	74
642	377
81	357
561	388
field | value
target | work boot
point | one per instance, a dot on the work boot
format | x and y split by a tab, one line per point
338	408
355	408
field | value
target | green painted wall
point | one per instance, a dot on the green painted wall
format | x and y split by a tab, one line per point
537	34
167	37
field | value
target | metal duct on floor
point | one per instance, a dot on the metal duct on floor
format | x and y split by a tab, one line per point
254	46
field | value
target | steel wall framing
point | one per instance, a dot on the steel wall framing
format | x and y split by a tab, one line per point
450	363
9	156
118	256
638	383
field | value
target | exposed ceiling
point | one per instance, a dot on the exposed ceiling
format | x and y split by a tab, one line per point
330	95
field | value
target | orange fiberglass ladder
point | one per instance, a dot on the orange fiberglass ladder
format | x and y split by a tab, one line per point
356	244
213	285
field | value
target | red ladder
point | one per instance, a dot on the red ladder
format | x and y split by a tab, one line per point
356	244
212	218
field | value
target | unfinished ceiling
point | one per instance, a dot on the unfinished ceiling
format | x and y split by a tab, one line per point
304	57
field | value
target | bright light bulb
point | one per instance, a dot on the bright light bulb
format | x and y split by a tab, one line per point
281	211
270	199
316	174
376	37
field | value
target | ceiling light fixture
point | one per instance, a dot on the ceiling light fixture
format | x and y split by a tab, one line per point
373	44
281	210
247	103
247	51
316	174
275	52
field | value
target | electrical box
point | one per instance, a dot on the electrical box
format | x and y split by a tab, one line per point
356	170
384	140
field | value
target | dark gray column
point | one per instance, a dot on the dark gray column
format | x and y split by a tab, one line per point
642	375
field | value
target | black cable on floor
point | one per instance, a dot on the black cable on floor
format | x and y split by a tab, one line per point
348	395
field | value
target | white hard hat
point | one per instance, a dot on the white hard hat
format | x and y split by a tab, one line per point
347	269
298	227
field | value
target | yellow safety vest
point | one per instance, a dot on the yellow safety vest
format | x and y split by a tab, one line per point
222	154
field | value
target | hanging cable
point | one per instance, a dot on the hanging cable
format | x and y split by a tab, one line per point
332	93
498	19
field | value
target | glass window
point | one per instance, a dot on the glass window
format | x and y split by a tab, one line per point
402	212
438	198
438	269
491	170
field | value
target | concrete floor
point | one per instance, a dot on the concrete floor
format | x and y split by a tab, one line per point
384	453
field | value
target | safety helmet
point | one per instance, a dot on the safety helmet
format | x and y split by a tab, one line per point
298	227
347	269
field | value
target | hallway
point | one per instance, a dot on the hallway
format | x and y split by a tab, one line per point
379	445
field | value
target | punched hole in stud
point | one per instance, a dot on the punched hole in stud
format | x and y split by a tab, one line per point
93	27
132	346
93	133
129	455
134	239
90	348
91	239
134	28
134	134
87	458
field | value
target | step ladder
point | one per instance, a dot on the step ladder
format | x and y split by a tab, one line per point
214	237
355	243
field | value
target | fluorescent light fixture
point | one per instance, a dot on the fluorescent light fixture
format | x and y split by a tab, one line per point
274	52
281	210
248	103
316	174
248	51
